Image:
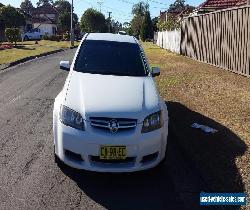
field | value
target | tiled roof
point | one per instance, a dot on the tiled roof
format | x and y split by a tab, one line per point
42	20
221	4
45	9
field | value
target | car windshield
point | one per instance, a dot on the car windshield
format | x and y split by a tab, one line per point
110	58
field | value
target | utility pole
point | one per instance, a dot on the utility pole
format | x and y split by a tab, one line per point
110	21
71	25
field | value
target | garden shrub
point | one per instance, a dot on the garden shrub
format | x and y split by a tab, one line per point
12	34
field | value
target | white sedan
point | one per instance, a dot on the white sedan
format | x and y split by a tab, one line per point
109	116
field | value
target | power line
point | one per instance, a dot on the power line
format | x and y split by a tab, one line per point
100	5
114	9
118	11
157	2
131	3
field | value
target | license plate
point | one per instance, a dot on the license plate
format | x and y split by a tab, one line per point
113	152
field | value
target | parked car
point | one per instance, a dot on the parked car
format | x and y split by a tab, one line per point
109	116
33	34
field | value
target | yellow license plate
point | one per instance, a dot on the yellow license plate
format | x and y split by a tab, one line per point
113	152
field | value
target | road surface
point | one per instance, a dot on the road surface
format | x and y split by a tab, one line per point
29	178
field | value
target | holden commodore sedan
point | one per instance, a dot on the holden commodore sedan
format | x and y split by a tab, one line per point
109	116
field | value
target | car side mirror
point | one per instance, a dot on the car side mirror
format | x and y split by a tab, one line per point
64	65
155	71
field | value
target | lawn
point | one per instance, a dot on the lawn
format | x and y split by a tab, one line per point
202	93
29	48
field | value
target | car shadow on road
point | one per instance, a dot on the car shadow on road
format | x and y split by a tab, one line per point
152	189
213	156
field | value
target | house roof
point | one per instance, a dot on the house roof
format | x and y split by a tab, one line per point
45	9
221	4
111	37
42	20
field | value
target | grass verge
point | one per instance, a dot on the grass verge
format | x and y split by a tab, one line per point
29	48
197	92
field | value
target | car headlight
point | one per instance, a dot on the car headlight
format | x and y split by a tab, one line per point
152	122
71	118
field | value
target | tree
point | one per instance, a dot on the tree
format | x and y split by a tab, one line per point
42	2
116	26
147	28
169	25
177	6
136	24
27	6
64	21
62	6
10	17
127	27
140	8
1	5
154	23
93	21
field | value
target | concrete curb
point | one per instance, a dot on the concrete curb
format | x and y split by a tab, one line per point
29	58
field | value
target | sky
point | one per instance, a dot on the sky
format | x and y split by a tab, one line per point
121	9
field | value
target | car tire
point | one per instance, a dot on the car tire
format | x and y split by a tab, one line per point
26	38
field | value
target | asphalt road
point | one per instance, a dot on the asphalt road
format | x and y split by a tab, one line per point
29	178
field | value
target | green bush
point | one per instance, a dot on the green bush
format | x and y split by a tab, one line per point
45	37
12	34
55	38
59	38
66	36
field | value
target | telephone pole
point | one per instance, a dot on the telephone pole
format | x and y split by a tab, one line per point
71	25
110	21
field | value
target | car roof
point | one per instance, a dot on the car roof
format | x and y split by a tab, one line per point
111	37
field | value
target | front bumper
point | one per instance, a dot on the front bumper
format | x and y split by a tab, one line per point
80	149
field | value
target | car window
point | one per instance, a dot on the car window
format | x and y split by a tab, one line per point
111	58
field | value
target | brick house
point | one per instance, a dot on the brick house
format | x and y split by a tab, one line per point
176	14
214	5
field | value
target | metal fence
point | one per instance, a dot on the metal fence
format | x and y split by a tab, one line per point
221	38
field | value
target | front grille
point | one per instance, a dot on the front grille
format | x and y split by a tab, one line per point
126	160
104	123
